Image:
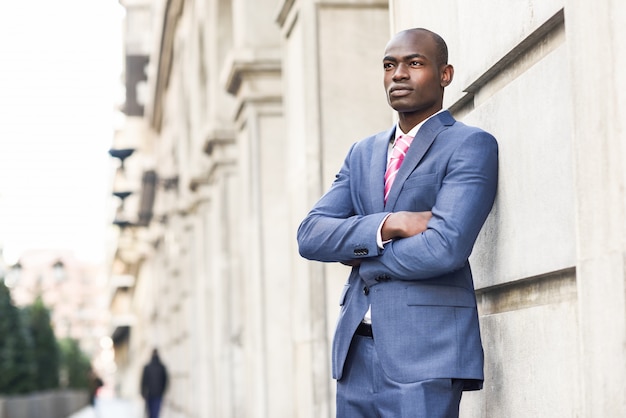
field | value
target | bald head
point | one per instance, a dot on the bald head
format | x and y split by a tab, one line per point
440	44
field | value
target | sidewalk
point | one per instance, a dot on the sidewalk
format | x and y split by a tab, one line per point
111	408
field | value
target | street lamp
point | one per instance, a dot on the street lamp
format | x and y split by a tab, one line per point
59	270
121	154
13	274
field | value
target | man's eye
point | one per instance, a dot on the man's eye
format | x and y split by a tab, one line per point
387	65
415	63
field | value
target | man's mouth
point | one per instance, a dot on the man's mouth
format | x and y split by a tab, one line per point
399	91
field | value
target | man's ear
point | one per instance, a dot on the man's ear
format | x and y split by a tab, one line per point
447	74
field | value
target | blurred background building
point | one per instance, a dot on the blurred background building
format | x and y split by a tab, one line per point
239	114
58	340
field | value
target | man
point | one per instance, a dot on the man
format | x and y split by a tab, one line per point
407	341
153	384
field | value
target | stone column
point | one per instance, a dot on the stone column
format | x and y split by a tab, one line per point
595	34
334	96
223	290
253	77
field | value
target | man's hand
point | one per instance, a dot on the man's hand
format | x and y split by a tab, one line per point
399	225
405	224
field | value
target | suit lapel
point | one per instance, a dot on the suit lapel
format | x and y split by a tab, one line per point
378	165
420	145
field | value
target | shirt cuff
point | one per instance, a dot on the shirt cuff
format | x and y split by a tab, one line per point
379	234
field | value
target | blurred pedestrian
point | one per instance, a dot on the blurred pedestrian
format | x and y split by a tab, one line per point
95	383
153	384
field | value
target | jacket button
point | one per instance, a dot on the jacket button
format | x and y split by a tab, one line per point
366	290
383	278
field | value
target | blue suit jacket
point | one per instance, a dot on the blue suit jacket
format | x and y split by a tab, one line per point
420	289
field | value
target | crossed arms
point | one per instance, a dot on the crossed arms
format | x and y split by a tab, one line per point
424	244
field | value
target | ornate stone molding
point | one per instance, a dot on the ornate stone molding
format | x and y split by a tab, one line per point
173	11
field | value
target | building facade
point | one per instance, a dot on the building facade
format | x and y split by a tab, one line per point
239	114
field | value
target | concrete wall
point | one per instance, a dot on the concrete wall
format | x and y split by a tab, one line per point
542	271
254	116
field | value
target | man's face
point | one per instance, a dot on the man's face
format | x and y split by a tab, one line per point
413	77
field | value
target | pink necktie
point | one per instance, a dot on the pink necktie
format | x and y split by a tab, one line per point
397	156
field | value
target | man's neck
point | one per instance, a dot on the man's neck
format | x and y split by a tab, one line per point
407	122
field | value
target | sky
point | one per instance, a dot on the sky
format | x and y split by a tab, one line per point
60	87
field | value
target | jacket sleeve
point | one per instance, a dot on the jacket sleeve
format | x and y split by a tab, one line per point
332	230
144	386
461	207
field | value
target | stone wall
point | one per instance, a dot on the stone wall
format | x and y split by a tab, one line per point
52	404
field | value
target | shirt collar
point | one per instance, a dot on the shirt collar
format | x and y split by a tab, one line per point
414	130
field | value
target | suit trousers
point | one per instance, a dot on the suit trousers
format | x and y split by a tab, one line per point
364	391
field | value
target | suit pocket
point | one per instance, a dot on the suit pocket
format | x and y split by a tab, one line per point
433	295
419	192
420	180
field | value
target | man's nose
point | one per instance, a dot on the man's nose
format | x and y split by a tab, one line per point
401	72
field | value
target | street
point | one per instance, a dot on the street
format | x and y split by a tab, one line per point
107	407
